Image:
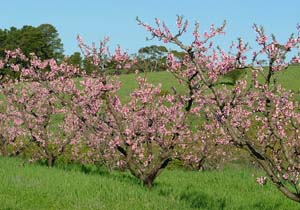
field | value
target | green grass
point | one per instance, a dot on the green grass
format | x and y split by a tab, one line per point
128	82
37	187
289	79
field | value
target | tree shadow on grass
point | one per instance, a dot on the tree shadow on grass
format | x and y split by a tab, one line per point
226	83
125	177
201	200
260	205
90	169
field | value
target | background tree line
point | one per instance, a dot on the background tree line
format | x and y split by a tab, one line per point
44	42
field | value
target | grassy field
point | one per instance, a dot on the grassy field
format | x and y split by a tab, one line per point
37	187
128	82
289	78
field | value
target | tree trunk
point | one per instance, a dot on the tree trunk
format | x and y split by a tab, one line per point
155	172
51	161
148	181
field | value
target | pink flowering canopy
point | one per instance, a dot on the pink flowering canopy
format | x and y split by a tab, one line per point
257	114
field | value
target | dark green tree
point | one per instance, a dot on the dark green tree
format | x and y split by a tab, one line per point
88	67
9	39
52	46
43	40
75	59
152	58
30	40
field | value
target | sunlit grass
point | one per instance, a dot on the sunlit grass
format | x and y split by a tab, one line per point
36	187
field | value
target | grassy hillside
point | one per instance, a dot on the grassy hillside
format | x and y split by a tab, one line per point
128	82
289	78
37	187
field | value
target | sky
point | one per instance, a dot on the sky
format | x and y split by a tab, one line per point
94	20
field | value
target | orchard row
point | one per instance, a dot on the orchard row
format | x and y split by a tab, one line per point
56	110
